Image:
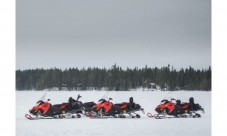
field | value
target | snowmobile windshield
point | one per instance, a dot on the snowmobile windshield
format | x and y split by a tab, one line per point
105	96
42	99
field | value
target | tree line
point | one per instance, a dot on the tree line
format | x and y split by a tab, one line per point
114	78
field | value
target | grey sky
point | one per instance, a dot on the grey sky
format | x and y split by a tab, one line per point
99	33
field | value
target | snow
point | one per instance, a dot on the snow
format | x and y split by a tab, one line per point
84	126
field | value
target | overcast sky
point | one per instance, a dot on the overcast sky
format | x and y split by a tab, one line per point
99	33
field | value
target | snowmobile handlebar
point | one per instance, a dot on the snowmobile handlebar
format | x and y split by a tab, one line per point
78	97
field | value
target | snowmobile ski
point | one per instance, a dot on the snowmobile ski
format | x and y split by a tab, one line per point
28	116
157	116
93	115
65	116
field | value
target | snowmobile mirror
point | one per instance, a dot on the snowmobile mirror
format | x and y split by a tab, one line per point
48	100
110	99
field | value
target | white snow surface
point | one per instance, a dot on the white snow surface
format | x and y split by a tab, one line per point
84	126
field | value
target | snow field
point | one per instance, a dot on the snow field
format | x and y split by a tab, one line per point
84	126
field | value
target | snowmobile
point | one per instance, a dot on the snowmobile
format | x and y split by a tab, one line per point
64	110
76	106
169	109
130	107
47	110
105	109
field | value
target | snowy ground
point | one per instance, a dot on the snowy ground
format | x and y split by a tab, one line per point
113	127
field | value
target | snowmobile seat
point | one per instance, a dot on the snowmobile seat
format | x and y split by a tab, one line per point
122	105
88	104
55	110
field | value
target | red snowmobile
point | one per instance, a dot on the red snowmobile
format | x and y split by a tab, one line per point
47	110
64	110
105	109
177	109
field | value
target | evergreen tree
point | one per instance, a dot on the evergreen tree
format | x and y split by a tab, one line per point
114	78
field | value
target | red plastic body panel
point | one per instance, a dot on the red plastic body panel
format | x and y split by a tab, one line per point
105	105
44	107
